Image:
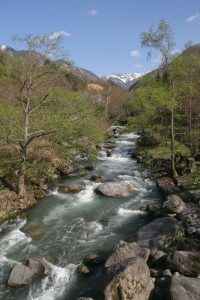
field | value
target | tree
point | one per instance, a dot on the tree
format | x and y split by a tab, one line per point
30	75
161	39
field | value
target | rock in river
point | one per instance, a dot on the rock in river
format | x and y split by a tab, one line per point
20	275
38	266
115	189
160	232
123	252
70	188
133	283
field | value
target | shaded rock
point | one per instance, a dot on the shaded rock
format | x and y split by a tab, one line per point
154	273
133	283
96	178
166	186
82	269
185	262
109	152
115	189
159	232
183	288
125	251
174	204
167	273
153	210
38	266
157	257
92	260
20	275
195	196
70	188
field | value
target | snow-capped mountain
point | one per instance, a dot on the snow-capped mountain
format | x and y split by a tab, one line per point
124	80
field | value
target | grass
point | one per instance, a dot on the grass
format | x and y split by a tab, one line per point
164	151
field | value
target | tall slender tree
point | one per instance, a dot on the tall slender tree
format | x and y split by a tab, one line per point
161	39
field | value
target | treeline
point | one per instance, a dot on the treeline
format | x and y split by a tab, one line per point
40	113
166	102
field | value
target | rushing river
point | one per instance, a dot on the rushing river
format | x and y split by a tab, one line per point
70	226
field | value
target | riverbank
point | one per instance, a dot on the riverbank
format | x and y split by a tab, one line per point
131	245
45	169
167	248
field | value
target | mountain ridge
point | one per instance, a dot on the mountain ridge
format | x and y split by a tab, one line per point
124	80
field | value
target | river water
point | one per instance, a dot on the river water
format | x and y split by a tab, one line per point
66	227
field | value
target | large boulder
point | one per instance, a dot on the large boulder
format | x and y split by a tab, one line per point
115	189
20	276
70	188
38	266
183	288
158	233
185	262
133	283
123	252
174	205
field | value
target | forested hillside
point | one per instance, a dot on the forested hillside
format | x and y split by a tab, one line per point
166	102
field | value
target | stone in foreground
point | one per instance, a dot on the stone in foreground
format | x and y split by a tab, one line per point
115	189
183	288
20	276
133	283
158	233
185	262
123	252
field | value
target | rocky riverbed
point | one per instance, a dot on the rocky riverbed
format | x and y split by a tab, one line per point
109	235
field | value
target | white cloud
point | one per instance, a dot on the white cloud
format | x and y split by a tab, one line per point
193	18
138	65
58	34
92	12
135	53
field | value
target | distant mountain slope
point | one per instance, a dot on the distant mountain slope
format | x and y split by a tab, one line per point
124	80
81	73
84	74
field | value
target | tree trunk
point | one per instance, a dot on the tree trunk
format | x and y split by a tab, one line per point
174	173
21	181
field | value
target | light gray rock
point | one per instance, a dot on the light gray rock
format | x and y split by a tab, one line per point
20	275
183	288
159	232
133	283
174	204
125	251
185	262
115	189
38	266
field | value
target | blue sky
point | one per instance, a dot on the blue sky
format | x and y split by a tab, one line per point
102	35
